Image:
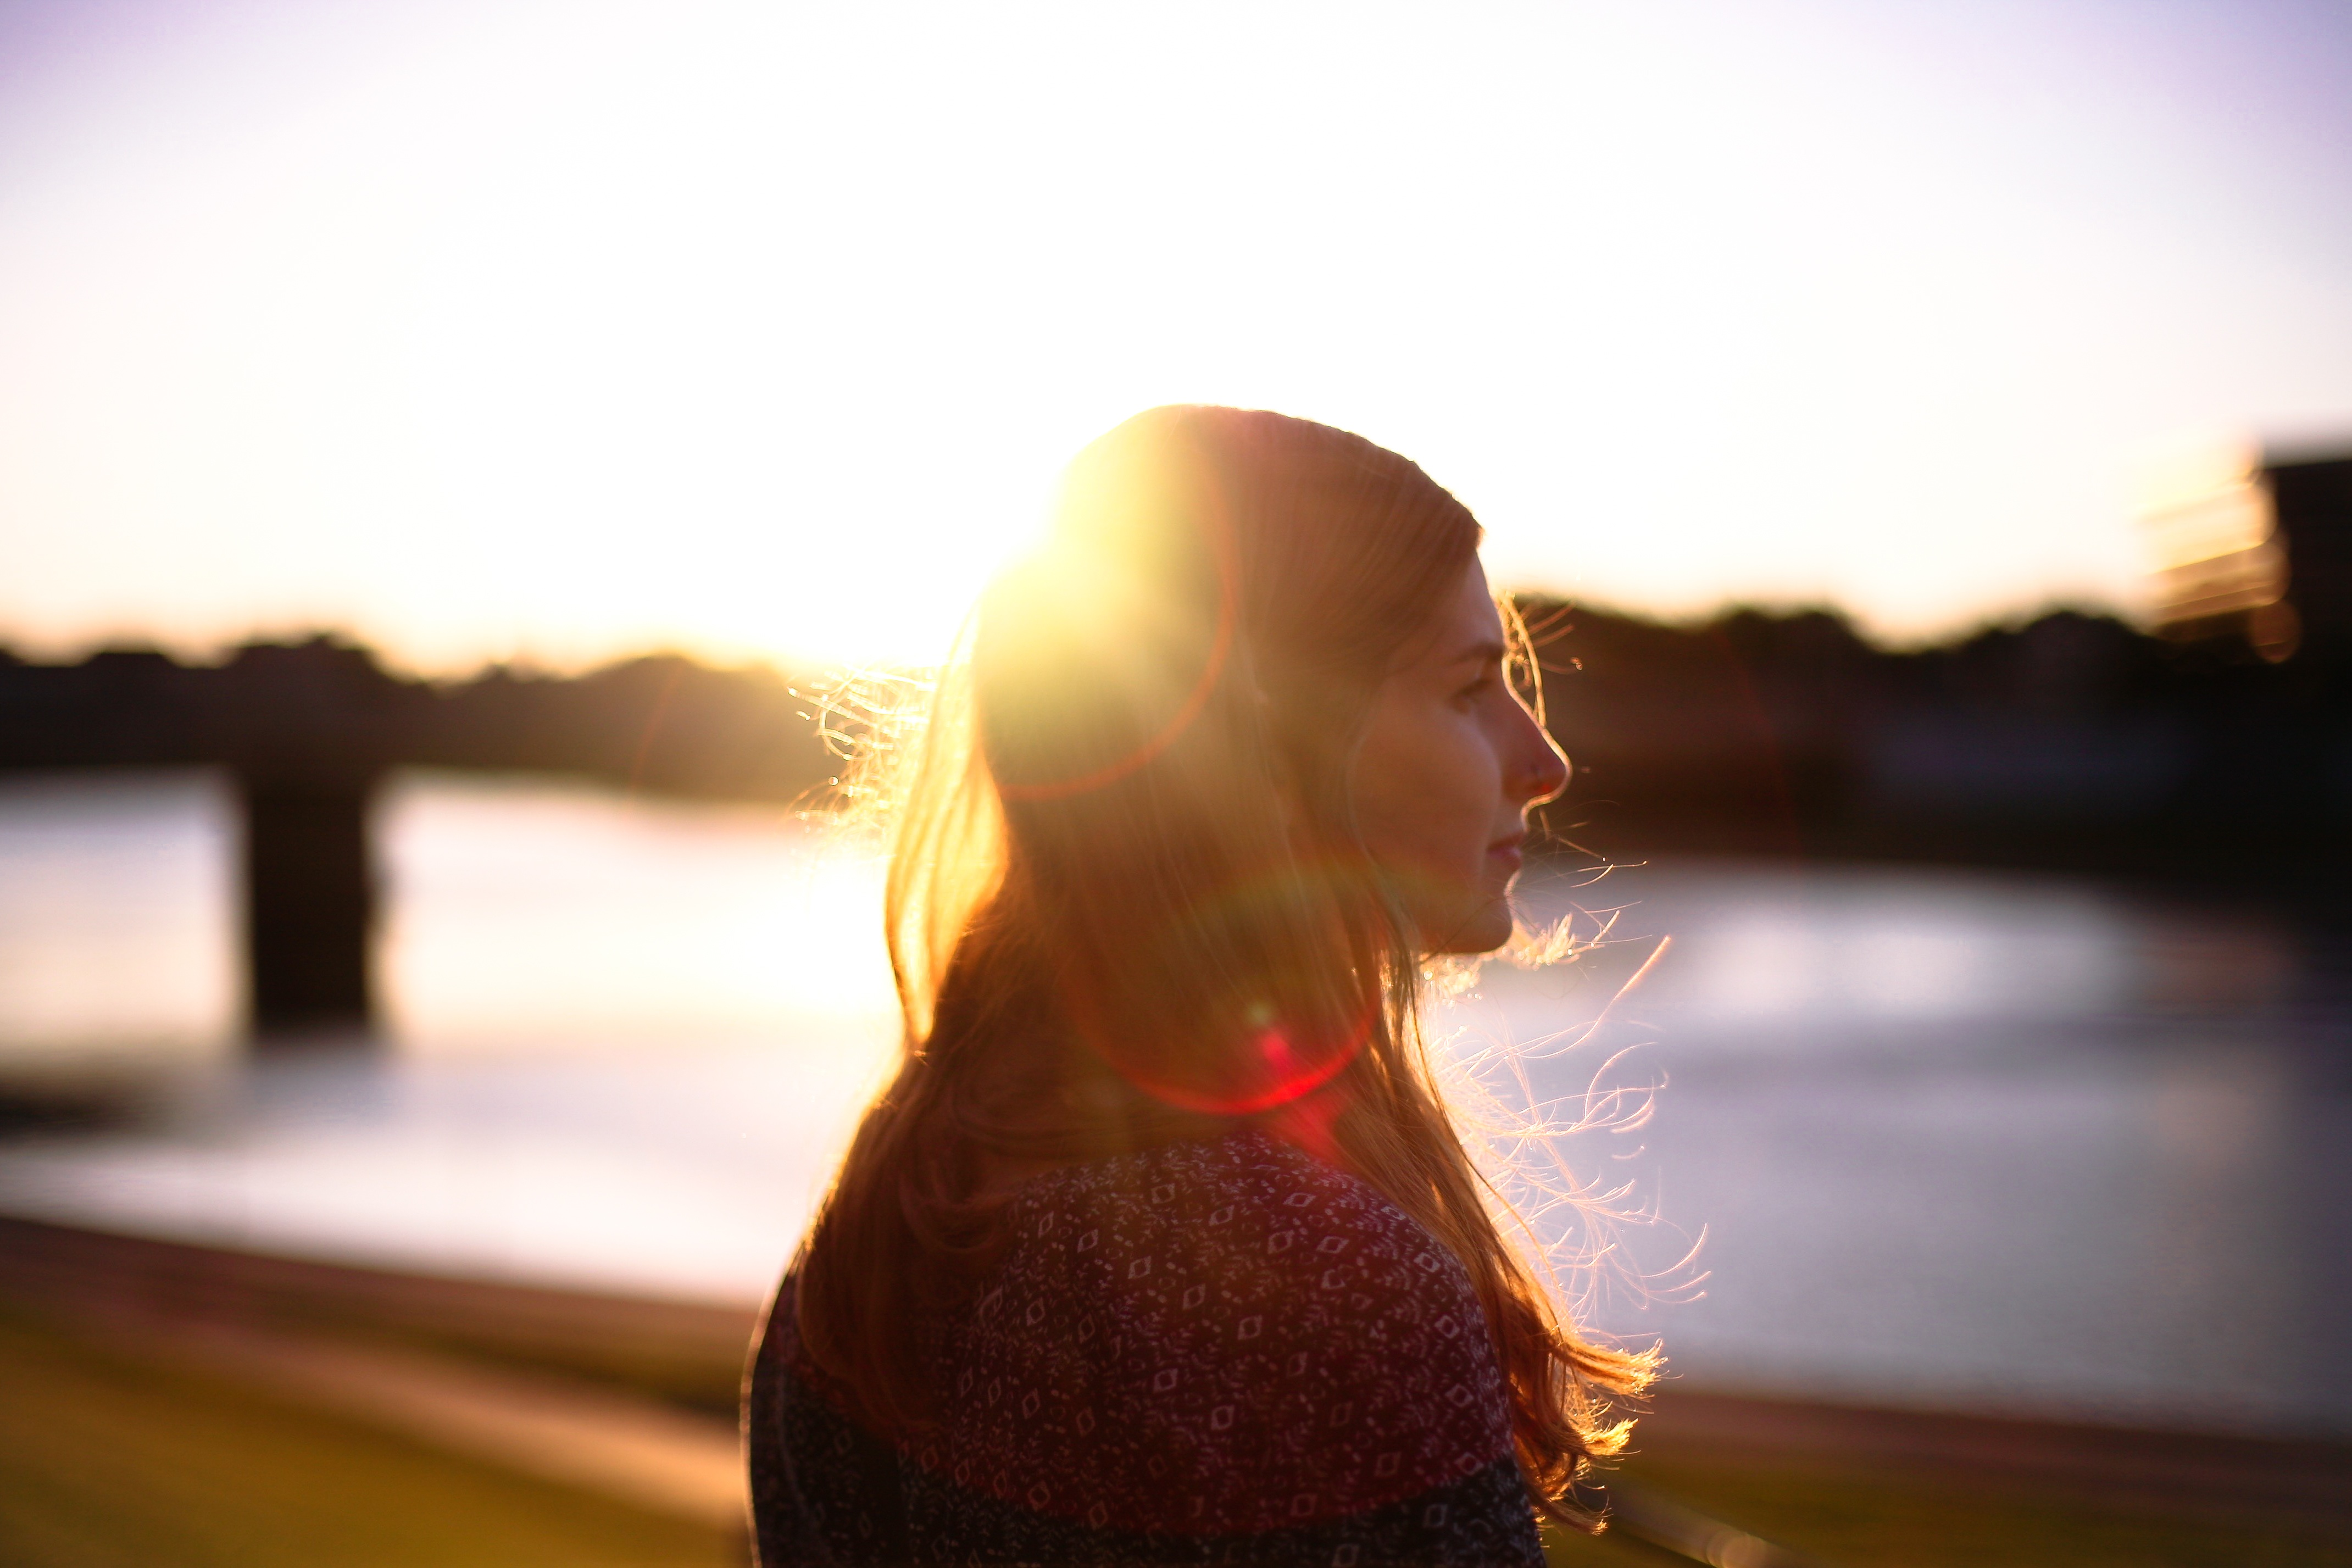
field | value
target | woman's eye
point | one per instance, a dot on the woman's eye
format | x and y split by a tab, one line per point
1476	689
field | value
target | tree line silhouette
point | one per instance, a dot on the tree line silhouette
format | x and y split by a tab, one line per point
2074	742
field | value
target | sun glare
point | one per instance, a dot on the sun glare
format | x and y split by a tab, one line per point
555	332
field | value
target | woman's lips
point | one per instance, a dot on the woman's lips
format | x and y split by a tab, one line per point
1507	850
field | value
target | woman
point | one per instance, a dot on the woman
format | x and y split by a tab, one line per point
1159	1246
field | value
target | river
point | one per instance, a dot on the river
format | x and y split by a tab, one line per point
1973	1140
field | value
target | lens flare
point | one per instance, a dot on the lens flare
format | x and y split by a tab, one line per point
1274	1055
1097	599
1278	1073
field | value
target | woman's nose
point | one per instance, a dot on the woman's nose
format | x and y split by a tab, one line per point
1541	770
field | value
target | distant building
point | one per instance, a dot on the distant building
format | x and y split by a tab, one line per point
2261	551
2311	503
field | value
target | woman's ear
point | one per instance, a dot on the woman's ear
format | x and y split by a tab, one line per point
1293	821
1291	815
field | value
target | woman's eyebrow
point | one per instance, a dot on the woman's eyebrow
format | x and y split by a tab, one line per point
1485	650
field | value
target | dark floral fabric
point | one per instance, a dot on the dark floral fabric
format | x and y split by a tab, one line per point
1218	1353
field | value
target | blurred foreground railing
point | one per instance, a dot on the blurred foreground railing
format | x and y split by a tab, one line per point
691	1354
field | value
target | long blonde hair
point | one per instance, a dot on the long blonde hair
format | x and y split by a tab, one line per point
1128	902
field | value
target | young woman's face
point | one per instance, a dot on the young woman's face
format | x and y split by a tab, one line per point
1449	767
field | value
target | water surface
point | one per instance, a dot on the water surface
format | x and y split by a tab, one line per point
1970	1141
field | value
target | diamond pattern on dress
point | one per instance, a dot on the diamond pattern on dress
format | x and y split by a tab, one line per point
1219	1352
1230	1341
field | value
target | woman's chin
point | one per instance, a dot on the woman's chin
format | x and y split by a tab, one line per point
1483	930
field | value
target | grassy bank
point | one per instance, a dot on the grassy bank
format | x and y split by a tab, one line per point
111	1459
1901	1517
116	1449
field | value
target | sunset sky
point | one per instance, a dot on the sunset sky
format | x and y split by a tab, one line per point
557	330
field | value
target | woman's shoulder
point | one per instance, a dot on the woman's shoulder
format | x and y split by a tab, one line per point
1270	1214
1231	1331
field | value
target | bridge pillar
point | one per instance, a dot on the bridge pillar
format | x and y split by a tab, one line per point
309	907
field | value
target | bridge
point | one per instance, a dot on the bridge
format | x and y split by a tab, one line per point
309	729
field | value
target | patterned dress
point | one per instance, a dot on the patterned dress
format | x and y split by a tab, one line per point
1213	1353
